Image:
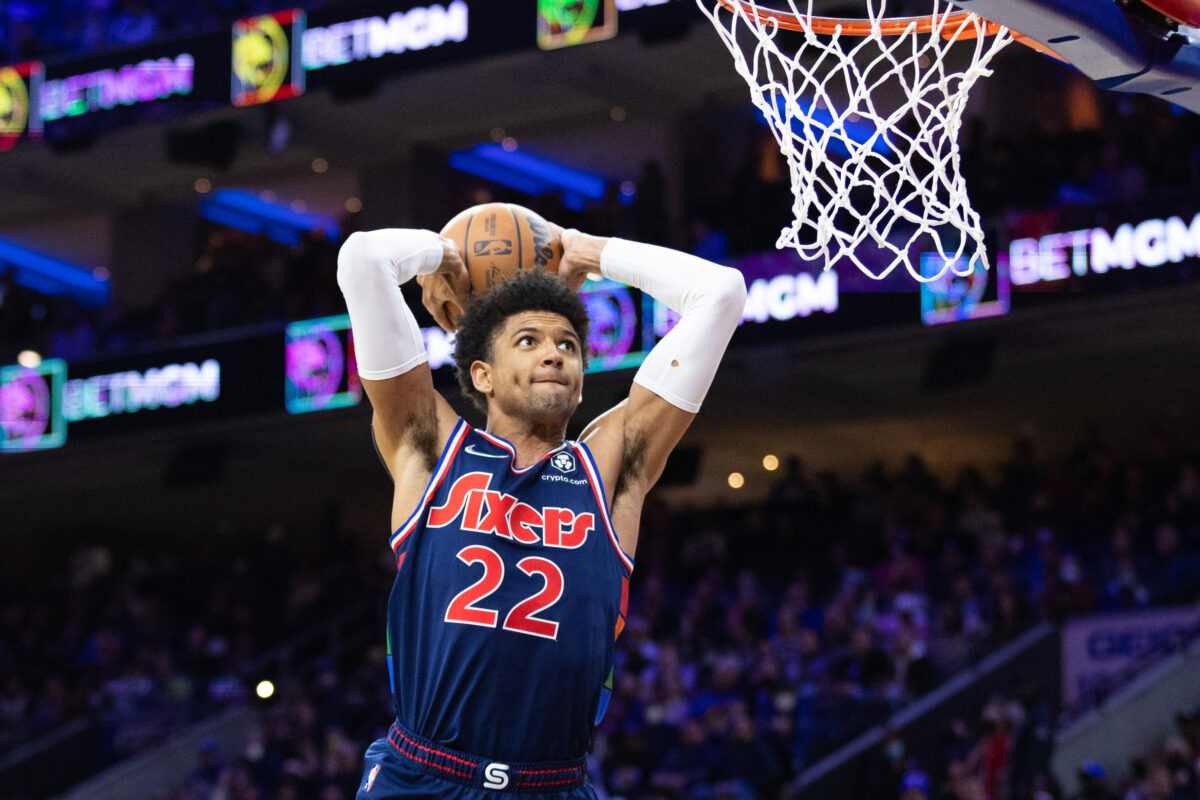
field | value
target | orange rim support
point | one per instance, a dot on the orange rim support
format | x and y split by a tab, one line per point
953	25
828	26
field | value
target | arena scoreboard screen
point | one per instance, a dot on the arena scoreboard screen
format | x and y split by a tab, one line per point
266	64
20	86
31	416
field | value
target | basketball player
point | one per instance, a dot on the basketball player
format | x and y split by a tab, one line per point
514	546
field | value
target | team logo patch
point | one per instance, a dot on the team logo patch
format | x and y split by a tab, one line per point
371	778
495	776
563	462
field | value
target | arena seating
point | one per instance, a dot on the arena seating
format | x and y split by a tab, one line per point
737	669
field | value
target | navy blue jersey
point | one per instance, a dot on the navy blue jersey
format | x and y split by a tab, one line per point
510	593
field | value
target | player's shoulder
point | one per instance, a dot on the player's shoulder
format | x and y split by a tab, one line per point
604	439
604	436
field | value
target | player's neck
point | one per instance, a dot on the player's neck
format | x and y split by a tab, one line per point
531	439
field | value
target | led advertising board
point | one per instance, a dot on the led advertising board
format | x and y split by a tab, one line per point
31	407
1142	245
124	85
151	82
20	88
321	372
788	296
349	48
562	23
352	47
372	37
171	387
135	391
265	64
952	297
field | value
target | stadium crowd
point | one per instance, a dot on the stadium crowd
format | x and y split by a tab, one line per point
140	641
759	638
1168	771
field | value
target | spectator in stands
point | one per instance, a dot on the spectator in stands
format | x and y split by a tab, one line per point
92	29
210	774
74	338
133	24
707	238
650	209
1093	782
792	489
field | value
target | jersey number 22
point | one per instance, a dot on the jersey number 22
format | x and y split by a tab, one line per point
522	618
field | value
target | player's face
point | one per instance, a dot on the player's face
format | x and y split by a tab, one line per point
537	367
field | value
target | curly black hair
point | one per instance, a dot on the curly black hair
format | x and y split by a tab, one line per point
529	290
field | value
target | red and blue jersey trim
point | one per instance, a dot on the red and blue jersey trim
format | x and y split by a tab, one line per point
464	768
439	474
593	472
512	451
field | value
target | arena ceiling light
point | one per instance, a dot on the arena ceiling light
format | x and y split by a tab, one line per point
52	276
532	174
242	210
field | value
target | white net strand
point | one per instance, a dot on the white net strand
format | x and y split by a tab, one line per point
906	103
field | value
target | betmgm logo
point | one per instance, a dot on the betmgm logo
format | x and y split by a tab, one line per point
261	60
14	105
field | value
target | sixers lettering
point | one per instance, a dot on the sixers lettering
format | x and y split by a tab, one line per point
514	545
505	516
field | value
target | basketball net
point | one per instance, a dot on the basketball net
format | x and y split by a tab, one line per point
869	123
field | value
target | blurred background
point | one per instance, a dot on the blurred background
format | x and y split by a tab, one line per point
938	543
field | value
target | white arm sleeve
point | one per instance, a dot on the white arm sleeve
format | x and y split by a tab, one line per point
710	300
371	267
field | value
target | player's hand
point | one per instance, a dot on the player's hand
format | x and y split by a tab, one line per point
581	255
445	293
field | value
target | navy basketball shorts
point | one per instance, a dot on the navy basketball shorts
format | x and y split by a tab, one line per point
404	765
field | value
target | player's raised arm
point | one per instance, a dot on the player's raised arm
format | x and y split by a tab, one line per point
635	438
411	421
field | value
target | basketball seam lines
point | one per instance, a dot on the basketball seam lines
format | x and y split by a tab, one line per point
517	225
467	245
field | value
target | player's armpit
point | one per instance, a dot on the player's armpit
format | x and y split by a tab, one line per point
631	443
652	428
411	420
411	425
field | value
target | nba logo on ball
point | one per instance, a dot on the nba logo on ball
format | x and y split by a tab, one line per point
492	247
563	462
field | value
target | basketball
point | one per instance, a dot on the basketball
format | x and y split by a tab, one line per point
498	240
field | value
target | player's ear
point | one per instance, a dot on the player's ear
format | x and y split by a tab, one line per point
481	376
